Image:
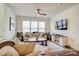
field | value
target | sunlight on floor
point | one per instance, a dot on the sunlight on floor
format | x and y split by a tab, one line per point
51	45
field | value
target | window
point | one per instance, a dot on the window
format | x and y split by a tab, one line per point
41	26
26	26
33	26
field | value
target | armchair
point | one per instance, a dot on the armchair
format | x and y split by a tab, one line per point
19	49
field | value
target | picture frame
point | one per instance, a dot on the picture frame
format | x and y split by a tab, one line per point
11	23
61	24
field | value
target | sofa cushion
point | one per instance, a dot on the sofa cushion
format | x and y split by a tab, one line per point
8	51
24	49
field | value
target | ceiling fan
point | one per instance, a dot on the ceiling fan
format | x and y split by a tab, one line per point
39	13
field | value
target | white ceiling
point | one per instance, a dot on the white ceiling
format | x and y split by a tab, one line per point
29	9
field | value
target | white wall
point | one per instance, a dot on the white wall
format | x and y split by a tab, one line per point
9	13
72	15
19	20
1	19
5	13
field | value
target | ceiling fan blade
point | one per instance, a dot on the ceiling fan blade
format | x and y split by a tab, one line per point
43	14
38	10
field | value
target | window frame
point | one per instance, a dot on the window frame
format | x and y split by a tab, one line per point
30	28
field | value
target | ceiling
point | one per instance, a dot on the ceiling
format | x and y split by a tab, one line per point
29	9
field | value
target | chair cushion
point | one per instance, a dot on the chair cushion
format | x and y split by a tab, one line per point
8	51
16	40
24	49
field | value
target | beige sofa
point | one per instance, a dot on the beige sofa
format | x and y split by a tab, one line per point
19	49
35	35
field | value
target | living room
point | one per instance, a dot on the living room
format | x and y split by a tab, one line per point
33	20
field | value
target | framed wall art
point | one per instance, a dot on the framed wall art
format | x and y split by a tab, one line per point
11	23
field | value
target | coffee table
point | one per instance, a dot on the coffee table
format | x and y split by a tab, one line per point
34	39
